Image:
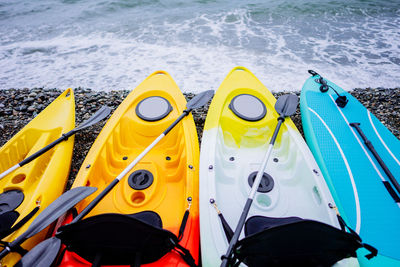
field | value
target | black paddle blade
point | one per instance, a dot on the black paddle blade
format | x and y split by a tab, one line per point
7	219
57	208
200	99
42	255
286	105
99	115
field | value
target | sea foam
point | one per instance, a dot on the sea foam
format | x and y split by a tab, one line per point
109	46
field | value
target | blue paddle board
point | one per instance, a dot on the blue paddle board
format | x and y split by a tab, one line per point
363	192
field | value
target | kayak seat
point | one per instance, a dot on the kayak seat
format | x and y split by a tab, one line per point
257	224
9	202
293	241
149	217
119	239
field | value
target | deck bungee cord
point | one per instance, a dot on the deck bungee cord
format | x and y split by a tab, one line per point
341	100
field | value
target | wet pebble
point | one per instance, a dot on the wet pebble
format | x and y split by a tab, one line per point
22	108
28	100
31	109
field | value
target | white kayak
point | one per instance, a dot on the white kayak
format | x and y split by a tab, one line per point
238	127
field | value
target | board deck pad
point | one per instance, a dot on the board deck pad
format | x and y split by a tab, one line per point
352	173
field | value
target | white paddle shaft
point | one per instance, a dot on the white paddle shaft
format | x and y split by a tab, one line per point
10	170
260	172
138	158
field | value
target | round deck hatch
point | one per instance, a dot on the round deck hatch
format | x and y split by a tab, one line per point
266	184
248	107
140	179
153	108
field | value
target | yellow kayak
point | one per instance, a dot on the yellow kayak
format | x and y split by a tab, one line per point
35	185
162	181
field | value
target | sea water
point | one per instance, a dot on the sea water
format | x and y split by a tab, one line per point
115	44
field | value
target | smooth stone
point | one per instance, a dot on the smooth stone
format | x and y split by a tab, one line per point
31	109
28	100
22	108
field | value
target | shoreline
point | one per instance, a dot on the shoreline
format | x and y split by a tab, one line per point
19	106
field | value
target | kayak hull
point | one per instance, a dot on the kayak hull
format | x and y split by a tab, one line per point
352	173
173	164
43	179
233	148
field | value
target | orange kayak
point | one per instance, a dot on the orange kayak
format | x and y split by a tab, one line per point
162	181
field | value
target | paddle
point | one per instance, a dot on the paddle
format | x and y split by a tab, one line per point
31	258
196	102
371	148
57	208
95	118
286	106
47	251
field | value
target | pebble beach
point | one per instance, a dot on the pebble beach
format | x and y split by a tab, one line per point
19	106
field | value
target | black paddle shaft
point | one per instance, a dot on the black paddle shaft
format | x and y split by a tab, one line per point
99	115
110	186
286	105
368	143
64	137
35	255
227	257
95	201
58	207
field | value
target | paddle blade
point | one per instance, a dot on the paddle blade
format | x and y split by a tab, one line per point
200	100
286	105
57	208
99	115
42	255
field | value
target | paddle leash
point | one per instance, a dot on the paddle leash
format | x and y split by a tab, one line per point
341	100
286	106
